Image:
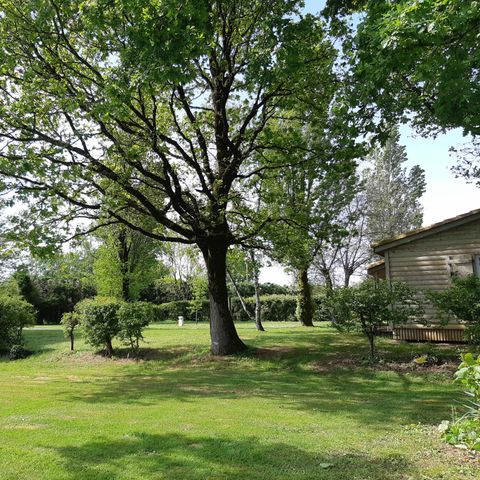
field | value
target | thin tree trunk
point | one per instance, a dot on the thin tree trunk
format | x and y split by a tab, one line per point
123	256
371	342
328	279
239	295
258	303
71	342
224	337
304	299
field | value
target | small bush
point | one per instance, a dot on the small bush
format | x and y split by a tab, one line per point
18	352
15	314
132	319
371	305
466	429
99	321
463	301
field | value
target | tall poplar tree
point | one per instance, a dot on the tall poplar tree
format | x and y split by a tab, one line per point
392	193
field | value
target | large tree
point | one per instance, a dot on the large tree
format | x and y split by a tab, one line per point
125	111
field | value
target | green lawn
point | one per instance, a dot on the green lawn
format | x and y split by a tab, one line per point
291	411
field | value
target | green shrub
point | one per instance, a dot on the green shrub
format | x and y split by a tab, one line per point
15	314
18	352
275	308
172	310
466	429
132	319
371	305
464	432
468	374
463	301
99	321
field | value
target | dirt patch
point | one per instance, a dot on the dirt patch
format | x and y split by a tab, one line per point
445	367
272	353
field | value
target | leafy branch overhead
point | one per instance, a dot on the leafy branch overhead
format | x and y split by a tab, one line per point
152	112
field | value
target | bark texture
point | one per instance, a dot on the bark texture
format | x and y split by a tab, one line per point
304	299
258	303
224	337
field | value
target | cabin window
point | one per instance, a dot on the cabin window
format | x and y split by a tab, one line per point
464	265
476	265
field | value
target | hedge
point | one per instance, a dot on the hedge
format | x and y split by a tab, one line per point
274	308
180	308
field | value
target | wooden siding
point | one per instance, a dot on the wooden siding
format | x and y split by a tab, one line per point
429	264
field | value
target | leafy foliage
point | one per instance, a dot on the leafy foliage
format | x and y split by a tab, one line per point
418	61
125	263
199	294
462	299
372	305
15	314
104	318
132	319
466	429
306	199
99	321
54	284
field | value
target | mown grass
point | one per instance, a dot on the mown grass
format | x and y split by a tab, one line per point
289	410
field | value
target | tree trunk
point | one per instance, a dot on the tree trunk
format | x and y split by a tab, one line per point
371	342
109	347
347	275
224	337
71	342
258	304
328	279
123	256
304	299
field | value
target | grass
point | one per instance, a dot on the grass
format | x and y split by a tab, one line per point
291	410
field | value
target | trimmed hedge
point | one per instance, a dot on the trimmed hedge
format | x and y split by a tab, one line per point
180	308
275	308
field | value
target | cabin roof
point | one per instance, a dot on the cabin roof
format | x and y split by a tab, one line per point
373	267
382	246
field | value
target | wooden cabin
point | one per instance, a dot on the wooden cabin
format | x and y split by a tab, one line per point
427	259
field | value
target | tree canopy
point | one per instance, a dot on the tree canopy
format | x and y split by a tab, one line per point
126	112
416	61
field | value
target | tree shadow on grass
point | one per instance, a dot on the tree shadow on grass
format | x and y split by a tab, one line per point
367	397
177	456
